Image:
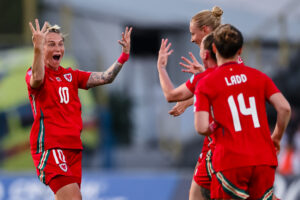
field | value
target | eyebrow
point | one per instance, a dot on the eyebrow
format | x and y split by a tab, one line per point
54	41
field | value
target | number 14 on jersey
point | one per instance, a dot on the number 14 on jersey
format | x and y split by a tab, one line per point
243	110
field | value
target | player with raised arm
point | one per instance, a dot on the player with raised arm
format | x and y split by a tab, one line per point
201	24
55	142
200	185
244	157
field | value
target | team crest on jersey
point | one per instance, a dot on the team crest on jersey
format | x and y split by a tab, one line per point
58	79
68	77
64	167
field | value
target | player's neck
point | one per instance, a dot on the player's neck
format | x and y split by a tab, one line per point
211	64
221	60
54	68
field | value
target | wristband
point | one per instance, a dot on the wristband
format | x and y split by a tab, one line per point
213	126
123	58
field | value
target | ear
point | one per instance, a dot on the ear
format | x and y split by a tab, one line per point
206	29
214	48
240	51
206	54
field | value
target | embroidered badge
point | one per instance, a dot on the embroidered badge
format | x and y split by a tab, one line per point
64	167
68	77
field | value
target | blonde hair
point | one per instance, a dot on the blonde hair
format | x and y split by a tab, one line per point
208	18
55	29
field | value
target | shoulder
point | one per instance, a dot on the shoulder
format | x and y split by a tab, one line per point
29	72
211	74
74	71
204	83
250	69
204	74
201	75
67	69
259	75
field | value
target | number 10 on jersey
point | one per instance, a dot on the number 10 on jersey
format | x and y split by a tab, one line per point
243	110
64	94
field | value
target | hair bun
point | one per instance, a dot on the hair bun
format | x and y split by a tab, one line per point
217	11
53	27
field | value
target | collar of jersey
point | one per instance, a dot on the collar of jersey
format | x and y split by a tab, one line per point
54	71
229	63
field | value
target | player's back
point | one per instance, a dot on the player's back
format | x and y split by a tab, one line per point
238	95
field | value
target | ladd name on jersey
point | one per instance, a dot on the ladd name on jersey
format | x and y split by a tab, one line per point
235	79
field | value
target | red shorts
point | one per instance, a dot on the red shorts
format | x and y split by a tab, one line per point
253	182
203	173
57	167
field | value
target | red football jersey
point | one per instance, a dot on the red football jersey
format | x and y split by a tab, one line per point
191	85
192	82
238	95
56	109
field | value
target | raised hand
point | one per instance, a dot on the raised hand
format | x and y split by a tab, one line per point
193	66
164	53
125	41
38	36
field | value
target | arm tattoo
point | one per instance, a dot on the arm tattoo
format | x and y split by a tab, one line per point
101	78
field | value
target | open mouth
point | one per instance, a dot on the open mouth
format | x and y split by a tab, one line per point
56	57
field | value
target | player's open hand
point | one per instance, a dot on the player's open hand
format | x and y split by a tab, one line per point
193	66
125	41
38	35
164	53
178	109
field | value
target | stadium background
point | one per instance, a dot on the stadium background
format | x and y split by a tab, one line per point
133	148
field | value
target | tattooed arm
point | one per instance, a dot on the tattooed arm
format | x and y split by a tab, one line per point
101	78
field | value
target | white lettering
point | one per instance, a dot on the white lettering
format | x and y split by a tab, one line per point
233	82
229	84
64	94
244	78
236	79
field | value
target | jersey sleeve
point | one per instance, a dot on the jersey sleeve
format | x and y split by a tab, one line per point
193	81
27	77
190	84
201	102
82	78
270	87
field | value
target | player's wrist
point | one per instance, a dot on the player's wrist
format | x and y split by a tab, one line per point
38	48
123	57
275	137
161	67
